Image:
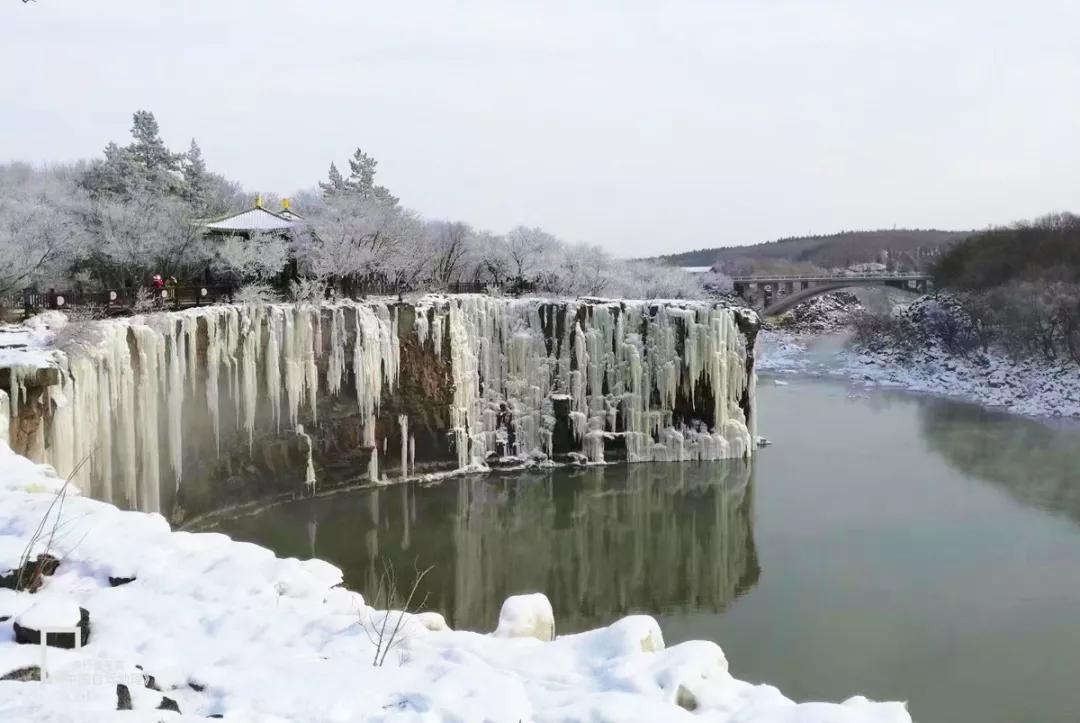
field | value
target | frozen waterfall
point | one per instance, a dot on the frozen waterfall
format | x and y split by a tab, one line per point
592	379
628	370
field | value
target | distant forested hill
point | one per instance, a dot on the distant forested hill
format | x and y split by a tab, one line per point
907	248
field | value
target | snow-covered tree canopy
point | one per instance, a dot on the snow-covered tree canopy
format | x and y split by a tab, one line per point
138	211
45	222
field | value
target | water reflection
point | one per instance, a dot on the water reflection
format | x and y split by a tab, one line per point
1035	462
601	542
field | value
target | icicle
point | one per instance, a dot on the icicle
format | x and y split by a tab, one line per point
403	423
273	375
309	474
250	328
5	418
335	369
212	368
632	369
174	389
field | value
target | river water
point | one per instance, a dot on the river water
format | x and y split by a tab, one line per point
892	545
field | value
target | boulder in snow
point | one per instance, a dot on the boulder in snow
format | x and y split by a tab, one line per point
526	616
52	613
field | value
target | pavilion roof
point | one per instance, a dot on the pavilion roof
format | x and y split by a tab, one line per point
254	219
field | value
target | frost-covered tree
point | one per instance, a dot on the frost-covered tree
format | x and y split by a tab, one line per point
334	183
146	164
197	181
141	235
43	225
360	183
348	236
148	149
646	280
449	245
249	260
529	250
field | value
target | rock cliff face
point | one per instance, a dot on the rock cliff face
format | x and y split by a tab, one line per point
188	411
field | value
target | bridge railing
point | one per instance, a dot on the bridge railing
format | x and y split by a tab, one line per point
883	276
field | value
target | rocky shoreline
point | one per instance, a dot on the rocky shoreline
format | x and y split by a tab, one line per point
1031	387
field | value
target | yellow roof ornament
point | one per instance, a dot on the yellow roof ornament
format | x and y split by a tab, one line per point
258	201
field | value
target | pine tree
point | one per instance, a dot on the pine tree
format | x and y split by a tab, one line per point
118	173
196	177
362	179
362	174
360	183
148	148
335	183
146	164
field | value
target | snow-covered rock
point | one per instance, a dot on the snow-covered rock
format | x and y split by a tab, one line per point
57	617
526	616
828	312
50	611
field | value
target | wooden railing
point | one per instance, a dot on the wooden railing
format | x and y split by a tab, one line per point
121	300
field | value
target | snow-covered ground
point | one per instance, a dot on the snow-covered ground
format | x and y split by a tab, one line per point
1031	387
227	629
29	344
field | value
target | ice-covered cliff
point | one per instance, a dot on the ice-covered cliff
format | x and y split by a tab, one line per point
143	399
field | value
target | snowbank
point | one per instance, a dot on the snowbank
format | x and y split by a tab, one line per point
224	627
27	345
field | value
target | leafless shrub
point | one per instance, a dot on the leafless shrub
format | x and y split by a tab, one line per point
882	330
947	322
383	621
307	290
31	574
256	293
85	312
145	301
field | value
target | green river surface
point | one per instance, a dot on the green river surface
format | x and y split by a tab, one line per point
898	546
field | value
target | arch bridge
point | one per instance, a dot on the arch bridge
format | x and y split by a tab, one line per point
772	295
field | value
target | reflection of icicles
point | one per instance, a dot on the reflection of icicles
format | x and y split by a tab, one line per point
403	423
373	462
309	474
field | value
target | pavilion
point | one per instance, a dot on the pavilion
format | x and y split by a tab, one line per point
255	220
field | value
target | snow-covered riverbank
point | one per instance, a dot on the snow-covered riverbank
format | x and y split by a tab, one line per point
223	628
1031	387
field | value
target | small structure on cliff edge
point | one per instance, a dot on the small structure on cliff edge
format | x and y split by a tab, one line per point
183	412
255	220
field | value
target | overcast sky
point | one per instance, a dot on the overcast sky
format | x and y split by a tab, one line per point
646	127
